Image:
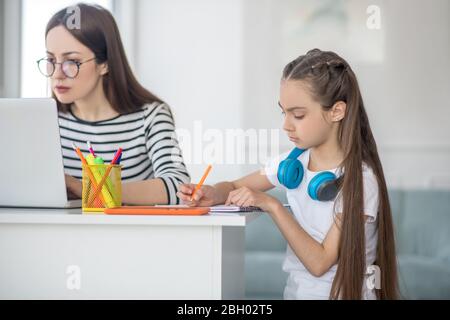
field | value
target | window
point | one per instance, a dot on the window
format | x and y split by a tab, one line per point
35	15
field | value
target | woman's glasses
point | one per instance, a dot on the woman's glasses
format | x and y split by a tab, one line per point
70	68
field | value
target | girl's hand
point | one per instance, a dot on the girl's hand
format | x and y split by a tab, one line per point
203	197
246	197
74	187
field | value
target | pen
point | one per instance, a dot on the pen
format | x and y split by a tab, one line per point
117	156
199	185
90	148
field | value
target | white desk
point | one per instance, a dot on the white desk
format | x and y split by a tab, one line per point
48	254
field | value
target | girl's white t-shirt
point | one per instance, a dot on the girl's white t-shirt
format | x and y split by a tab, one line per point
316	218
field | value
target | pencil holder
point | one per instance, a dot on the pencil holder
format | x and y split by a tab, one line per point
102	187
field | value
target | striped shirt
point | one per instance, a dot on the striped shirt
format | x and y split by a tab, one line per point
147	137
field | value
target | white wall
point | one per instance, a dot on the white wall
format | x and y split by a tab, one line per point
190	54
408	95
220	61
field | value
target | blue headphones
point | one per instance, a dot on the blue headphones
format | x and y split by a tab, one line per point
323	187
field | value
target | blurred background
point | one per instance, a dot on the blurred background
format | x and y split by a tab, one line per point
218	63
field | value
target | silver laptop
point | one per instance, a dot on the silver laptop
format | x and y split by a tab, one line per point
31	165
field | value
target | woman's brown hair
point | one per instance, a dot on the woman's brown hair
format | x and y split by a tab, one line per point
98	31
330	79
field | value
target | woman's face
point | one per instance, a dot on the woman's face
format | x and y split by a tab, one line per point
62	46
305	122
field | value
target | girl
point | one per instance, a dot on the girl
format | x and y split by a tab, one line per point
341	223
99	100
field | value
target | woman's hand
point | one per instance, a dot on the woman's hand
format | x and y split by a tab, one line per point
246	197
203	197
74	187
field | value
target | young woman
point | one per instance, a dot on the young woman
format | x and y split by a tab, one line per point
341	223
100	101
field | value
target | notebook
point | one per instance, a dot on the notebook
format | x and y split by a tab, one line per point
177	210
218	208
222	208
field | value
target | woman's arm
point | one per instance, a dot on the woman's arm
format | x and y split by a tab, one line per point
144	192
165	154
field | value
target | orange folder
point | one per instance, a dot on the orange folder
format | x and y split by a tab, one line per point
159	210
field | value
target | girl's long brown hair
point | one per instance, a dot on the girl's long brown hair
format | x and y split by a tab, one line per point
99	32
331	79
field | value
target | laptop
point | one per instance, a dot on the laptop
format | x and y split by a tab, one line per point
31	166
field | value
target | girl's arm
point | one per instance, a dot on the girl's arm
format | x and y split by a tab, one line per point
218	193
317	257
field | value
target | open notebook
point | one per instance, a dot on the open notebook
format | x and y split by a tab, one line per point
219	208
223	208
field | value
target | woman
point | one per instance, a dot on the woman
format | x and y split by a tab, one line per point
99	100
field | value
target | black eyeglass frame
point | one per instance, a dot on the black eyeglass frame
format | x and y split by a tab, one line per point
77	63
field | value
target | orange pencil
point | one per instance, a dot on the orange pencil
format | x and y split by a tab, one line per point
199	185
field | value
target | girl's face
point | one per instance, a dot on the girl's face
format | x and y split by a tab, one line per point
305	122
62	46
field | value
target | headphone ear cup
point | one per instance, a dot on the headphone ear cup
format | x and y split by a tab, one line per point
290	173
328	191
323	187
281	170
